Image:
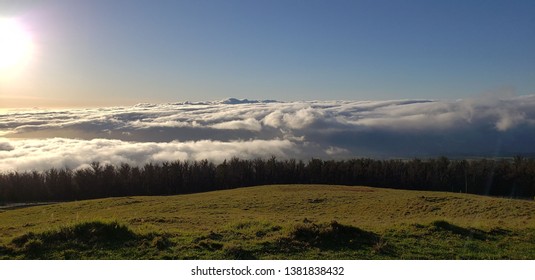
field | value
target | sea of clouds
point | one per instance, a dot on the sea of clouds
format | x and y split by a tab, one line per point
40	139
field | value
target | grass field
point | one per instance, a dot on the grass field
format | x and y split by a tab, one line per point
275	222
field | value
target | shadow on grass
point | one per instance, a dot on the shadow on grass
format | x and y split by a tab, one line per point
333	237
89	233
5	252
472	233
237	252
86	240
255	240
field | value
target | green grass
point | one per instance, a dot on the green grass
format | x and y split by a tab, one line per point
275	222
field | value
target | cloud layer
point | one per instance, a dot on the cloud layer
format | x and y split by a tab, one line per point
40	139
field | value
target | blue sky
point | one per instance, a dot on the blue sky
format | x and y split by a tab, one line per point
91	53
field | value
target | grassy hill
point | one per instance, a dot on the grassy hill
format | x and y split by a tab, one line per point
275	222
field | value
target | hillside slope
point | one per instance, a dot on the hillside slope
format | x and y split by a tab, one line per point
281	221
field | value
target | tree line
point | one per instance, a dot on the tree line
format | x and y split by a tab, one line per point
507	178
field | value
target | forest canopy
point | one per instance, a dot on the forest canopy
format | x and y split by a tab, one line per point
504	177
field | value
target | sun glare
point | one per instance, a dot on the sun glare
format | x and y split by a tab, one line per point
16	46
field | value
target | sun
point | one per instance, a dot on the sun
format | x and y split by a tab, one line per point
16	45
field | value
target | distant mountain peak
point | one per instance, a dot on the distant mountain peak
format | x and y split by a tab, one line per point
233	100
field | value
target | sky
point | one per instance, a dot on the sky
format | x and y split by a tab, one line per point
123	52
132	81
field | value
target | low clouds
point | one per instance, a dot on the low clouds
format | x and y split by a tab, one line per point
248	124
293	118
37	139
41	154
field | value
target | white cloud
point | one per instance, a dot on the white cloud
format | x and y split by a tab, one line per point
245	128
248	124
335	151
40	154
